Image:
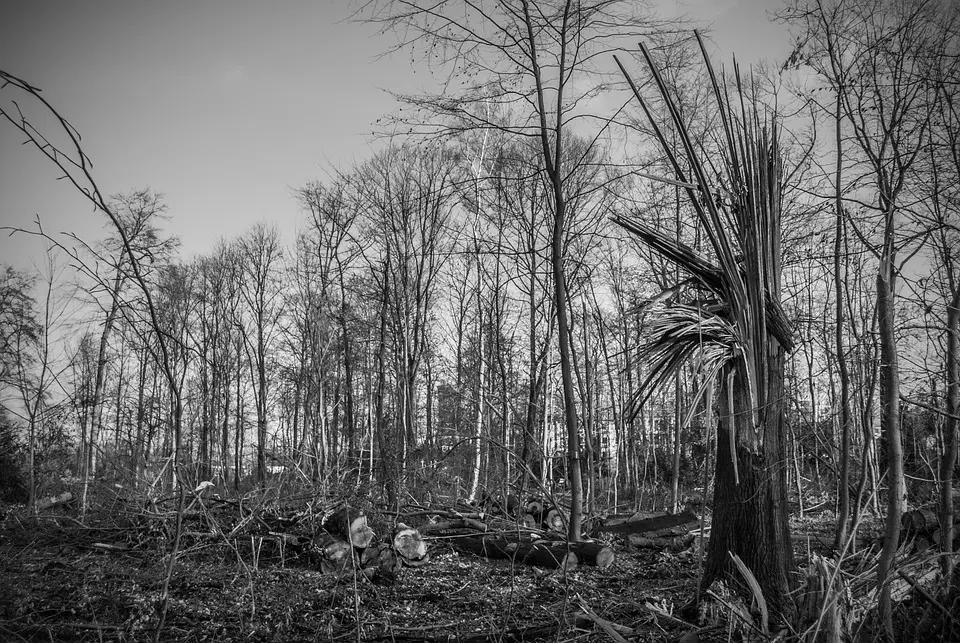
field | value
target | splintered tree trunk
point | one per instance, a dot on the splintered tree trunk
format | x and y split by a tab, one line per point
750	512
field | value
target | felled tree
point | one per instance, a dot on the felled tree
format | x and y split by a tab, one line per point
733	329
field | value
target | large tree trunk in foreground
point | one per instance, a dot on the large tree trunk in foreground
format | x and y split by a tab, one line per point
750	511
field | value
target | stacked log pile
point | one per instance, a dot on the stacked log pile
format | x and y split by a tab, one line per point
348	542
541	514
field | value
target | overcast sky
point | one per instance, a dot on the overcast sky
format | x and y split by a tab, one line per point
224	106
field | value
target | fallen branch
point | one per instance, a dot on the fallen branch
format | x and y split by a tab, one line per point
613	630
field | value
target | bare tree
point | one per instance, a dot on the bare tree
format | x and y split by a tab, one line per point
138	213
880	56
259	255
408	196
944	175
545	61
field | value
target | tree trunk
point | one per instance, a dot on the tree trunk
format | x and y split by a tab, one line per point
261	373
238	425
481	392
348	384
675	473
386	459
749	515
890	424
843	514
95	412
951	437
566	373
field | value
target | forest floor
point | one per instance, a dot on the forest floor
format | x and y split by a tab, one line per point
101	580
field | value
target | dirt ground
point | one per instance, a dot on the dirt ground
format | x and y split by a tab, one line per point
102	580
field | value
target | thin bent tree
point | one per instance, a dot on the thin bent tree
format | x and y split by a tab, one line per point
733	329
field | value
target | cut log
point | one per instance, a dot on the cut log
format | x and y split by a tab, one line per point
352	525
53	501
681	522
409	545
495	503
618	519
453	525
536	509
335	554
588	553
554	520
674	543
543	556
535	554
594	554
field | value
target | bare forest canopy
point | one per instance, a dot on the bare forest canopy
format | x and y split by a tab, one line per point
598	268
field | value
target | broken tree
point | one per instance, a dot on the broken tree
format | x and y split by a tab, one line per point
732	325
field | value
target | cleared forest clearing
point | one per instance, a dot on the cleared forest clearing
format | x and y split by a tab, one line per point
259	569
603	341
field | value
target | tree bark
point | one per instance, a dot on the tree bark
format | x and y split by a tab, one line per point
95	413
551	557
843	514
749	514
890	425
951	438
